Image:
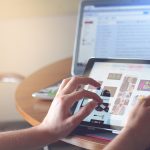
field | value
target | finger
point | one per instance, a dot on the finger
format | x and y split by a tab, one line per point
63	84
140	100
146	101
78	95
83	112
77	81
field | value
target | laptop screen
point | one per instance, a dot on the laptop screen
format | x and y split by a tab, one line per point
112	29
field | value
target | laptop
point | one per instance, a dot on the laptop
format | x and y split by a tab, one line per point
108	29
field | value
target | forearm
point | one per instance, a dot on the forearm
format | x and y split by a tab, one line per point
126	140
31	138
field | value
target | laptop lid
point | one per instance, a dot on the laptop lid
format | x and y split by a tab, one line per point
111	29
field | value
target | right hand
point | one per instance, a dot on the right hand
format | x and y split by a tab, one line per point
139	122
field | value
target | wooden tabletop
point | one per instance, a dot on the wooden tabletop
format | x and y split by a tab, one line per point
34	111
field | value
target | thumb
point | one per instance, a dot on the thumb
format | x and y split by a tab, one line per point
83	112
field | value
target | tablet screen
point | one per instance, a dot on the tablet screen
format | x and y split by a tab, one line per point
122	84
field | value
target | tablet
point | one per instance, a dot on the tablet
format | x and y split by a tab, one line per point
123	82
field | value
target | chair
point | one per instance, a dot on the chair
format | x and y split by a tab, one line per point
11	77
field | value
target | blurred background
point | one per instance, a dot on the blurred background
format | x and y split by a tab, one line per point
33	33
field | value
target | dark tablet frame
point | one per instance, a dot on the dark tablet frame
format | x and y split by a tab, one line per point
91	126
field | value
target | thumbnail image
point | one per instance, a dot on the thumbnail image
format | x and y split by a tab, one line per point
144	85
120	106
114	76
103	107
108	91
128	84
124	95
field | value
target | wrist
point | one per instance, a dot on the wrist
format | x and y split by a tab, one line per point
135	139
128	139
46	134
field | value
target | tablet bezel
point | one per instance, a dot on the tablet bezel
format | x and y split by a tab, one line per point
92	126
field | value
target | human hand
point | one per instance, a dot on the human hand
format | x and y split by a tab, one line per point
136	133
59	121
138	124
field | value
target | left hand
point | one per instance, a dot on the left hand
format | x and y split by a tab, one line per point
59	121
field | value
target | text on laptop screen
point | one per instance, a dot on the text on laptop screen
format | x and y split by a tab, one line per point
114	32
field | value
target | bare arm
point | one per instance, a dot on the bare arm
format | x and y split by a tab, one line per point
23	139
136	133
59	121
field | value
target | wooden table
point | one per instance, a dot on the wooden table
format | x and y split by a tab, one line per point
34	111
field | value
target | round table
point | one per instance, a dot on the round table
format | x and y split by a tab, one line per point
34	110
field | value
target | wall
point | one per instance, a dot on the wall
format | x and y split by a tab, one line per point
26	44
33	33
